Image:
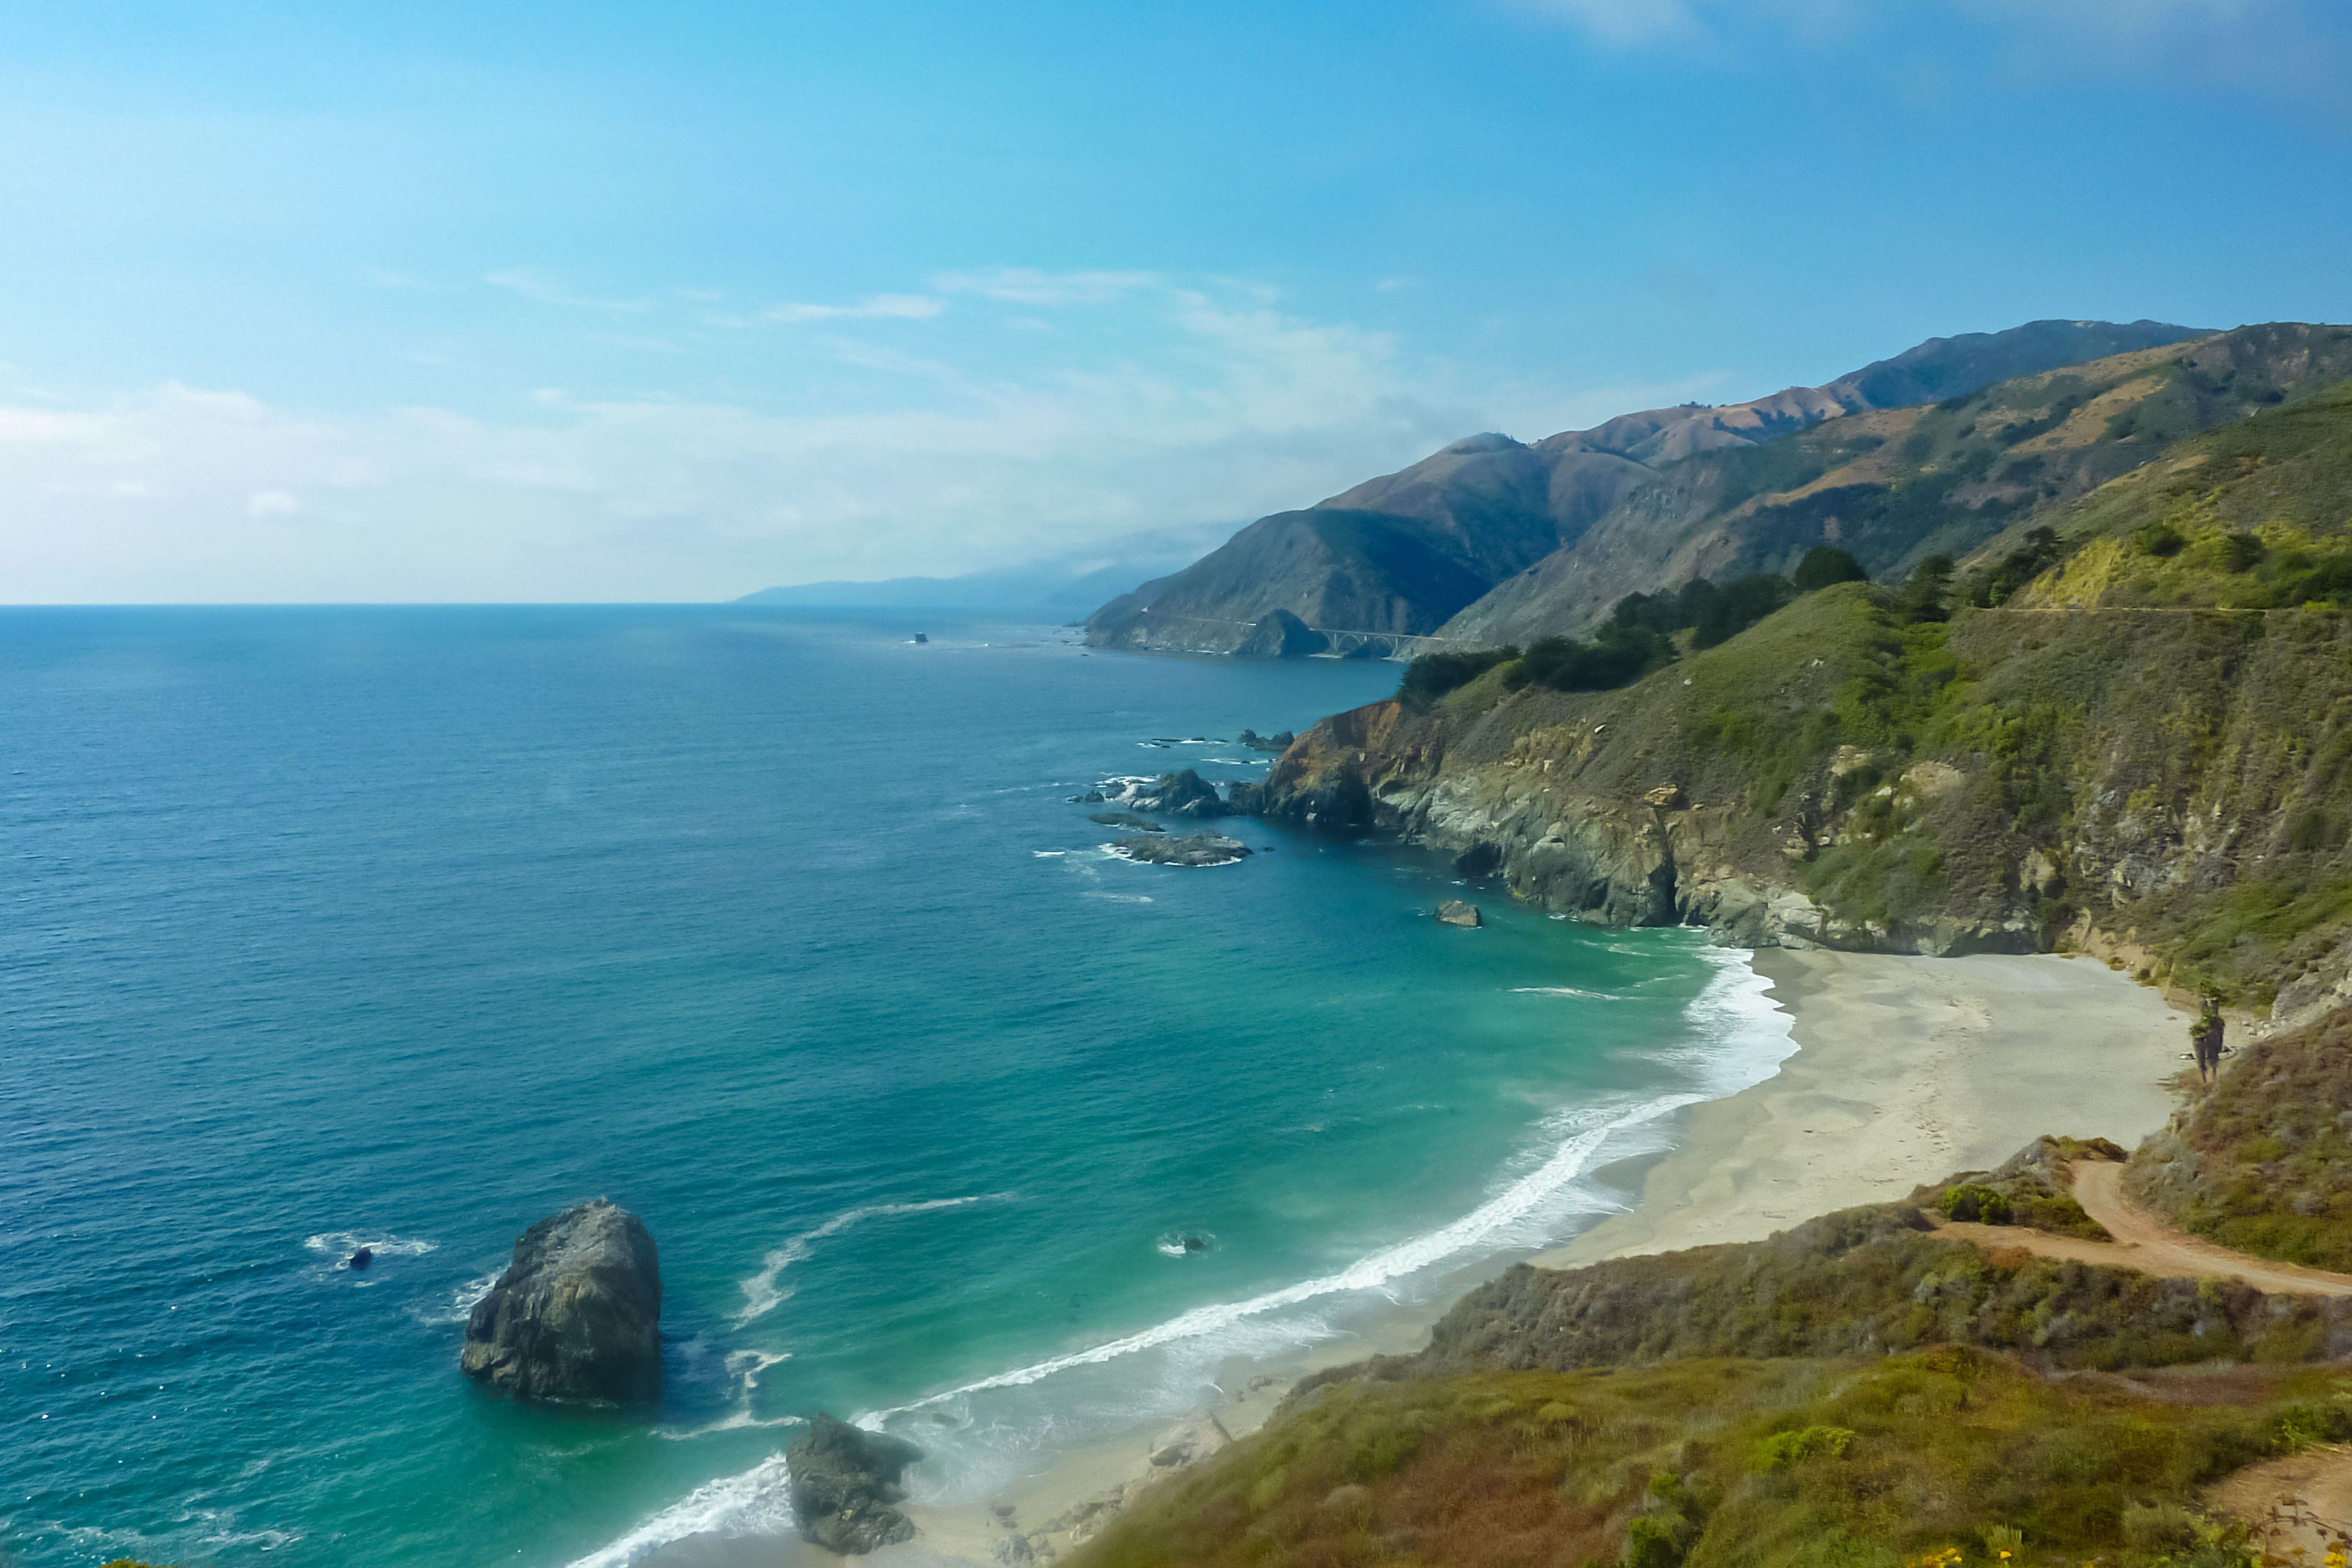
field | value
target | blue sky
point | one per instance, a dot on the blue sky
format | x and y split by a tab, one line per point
595	301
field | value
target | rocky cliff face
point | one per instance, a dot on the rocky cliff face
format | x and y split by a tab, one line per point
577	1315
2169	786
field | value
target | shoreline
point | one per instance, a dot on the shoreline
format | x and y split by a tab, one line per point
1906	1069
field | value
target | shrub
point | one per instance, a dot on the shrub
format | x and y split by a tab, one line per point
1974	1201
1651	1544
1619	654
1782	1449
2159	539
1432	674
2240	552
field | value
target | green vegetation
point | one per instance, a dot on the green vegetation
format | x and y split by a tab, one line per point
2263	1162
1950	1454
1432	674
1858	1282
1825	565
2255	516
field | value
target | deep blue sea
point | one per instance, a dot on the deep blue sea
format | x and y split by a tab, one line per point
407	927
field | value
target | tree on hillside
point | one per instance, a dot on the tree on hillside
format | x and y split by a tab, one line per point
1824	565
1925	593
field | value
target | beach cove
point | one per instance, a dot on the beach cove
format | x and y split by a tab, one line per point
1906	1070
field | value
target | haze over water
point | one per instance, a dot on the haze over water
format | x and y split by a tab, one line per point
408	927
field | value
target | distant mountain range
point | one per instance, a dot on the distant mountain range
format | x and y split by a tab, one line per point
1489	538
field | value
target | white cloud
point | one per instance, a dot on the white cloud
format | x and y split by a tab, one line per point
538	286
1210	413
876	307
1028	286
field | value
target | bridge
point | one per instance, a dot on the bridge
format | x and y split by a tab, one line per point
1339	642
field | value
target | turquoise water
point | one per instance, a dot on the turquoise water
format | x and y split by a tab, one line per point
408	927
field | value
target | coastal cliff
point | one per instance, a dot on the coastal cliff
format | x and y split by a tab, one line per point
2167	786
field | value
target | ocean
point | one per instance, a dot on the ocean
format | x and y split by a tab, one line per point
406	927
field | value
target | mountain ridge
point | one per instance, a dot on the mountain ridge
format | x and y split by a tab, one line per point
1426	542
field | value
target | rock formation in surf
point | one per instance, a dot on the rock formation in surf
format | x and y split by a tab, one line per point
1198	849
577	1315
846	1484
1454	913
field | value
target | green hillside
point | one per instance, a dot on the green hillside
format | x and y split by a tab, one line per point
1896	487
1949	1456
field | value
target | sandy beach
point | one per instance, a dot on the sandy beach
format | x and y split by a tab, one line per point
1906	1070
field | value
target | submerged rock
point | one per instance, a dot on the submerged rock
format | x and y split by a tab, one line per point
844	1484
577	1315
1198	849
1454	913
1126	819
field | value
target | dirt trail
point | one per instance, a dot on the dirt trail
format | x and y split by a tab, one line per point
2145	1243
2298	1505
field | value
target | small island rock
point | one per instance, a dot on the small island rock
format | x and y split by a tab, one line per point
1198	849
577	1315
844	1482
1454	913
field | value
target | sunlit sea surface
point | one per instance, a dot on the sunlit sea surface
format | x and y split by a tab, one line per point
407	927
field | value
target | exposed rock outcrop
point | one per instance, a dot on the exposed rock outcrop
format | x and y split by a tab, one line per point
1180	794
845	1486
1454	913
1196	849
576	1315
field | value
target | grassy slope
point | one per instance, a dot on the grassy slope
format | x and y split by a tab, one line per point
2181	780
2262	1163
1857	1282
1897	485
1554	1412
1755	1463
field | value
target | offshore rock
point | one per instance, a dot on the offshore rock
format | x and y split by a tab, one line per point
577	1315
1127	819
1276	742
1184	793
1198	849
1454	913
846	1484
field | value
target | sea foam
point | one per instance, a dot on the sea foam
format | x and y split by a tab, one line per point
1737	1036
762	1292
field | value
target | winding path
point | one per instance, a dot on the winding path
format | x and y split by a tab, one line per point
2145	1243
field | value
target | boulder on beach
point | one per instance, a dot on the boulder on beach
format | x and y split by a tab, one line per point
577	1315
1454	913
1198	849
845	1485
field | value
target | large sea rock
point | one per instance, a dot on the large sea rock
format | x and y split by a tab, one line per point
845	1485
577	1315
